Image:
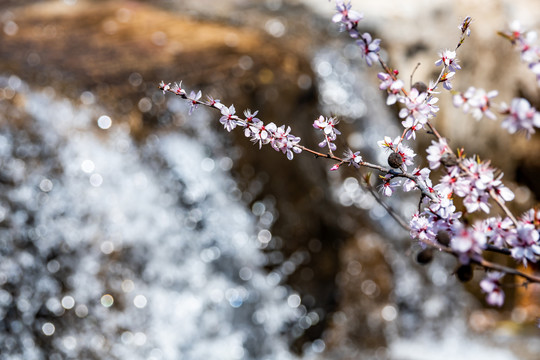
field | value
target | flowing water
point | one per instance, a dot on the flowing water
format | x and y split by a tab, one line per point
112	250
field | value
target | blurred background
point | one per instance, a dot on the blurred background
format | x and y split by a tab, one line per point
131	230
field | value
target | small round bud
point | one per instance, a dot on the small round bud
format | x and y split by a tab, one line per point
449	159
420	86
395	160
425	256
443	237
464	273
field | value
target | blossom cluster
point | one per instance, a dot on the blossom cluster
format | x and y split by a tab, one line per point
491	285
392	85
476	182
477	101
438	222
349	20
448	59
328	127
469	178
524	40
279	137
519	115
405	157
419	108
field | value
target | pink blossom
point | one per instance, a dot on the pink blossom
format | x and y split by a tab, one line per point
445	79
263	133
477	200
454	182
388	143
258	133
386	80
524	41
535	67
370	48
353	158
436	151
327	125
431	103
421	175
292	148
194	100
525	245
320	123
491	285
520	116
254	128
164	87
504	193
328	142
468	244
279	138
214	102
449	60
407	154
250	117
532	216
444	208
415	112
476	100
228	119
393	87
387	187
440	215
421	228
348	18
498	230
177	88
480	173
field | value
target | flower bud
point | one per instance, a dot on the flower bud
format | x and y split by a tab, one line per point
395	160
425	256
443	237
420	86
464	273
449	159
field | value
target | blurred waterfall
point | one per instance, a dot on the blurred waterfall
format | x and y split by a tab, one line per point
113	250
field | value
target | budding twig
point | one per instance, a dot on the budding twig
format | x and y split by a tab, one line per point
389	209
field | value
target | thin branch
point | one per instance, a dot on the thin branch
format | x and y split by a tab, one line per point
412	75
508	270
503	206
484	263
498	250
423	188
389	209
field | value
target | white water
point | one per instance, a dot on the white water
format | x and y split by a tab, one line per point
156	229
